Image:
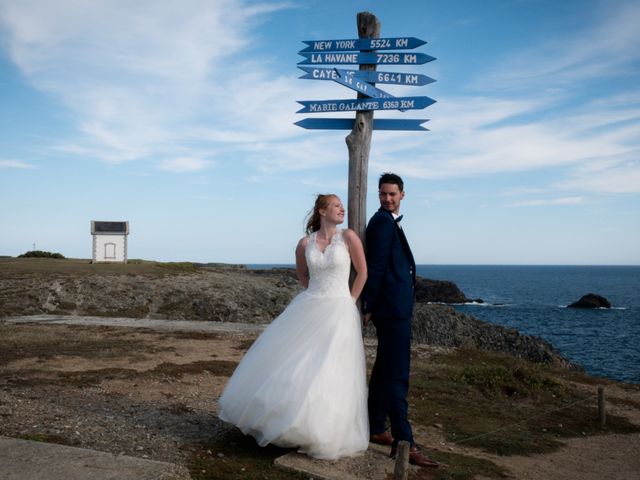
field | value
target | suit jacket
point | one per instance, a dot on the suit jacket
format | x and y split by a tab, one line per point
389	291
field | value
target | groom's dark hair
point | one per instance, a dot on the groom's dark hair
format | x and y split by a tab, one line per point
391	178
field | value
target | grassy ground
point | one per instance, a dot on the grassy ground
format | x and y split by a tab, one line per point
487	401
237	457
504	405
12	266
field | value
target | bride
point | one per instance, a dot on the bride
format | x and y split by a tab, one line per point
302	383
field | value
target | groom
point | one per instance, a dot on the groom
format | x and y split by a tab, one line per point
387	300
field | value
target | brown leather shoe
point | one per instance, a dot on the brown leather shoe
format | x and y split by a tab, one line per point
383	438
417	458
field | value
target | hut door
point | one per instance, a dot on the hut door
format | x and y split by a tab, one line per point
110	250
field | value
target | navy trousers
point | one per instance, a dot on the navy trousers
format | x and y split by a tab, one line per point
389	382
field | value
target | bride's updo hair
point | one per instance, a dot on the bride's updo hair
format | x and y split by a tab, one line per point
322	201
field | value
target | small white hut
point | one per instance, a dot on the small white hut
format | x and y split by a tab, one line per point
109	241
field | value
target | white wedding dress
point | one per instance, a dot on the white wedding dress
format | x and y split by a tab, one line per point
302	383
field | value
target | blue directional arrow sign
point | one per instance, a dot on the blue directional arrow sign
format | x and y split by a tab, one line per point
395	78
321	73
347	124
365	58
354	83
346	78
396	103
401	43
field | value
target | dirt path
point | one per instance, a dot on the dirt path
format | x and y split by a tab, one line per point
610	457
152	392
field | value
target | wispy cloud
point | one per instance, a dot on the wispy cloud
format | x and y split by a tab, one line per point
157	83
184	164
486	143
161	84
547	202
538	111
609	47
624	178
141	79
518	191
15	164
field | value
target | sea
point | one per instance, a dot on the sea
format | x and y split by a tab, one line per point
534	299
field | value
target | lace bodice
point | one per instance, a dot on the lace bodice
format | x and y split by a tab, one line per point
328	271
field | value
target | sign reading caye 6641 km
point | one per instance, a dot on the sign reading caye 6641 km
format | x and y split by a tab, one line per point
364	51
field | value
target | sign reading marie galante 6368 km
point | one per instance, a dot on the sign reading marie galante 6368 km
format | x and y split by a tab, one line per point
364	51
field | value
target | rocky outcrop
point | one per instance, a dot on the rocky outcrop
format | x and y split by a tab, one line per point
591	300
442	325
230	294
211	294
440	291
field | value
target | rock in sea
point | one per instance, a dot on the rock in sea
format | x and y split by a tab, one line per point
439	291
591	300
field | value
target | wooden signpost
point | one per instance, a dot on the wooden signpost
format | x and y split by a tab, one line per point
367	51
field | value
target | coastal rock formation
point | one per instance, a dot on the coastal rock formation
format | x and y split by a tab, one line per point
232	294
438	291
591	300
211	294
443	325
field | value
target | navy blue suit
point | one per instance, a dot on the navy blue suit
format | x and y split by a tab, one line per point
388	295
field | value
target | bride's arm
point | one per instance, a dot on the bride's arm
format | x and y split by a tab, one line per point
359	262
301	262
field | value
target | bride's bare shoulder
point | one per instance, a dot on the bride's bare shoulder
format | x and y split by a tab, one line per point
303	242
349	234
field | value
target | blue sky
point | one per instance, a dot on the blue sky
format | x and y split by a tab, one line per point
178	117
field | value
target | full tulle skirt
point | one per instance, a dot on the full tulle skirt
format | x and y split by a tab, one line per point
302	383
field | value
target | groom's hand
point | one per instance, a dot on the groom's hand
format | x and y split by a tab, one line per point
365	319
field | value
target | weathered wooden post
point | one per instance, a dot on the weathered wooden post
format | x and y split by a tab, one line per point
359	141
602	413
366	51
401	470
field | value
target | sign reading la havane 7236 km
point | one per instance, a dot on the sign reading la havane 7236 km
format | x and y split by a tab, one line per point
364	51
366	58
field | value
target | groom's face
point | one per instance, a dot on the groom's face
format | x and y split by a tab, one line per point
390	197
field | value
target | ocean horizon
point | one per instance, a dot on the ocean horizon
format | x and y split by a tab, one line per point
533	299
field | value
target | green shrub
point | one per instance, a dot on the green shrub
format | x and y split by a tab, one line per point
40	254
